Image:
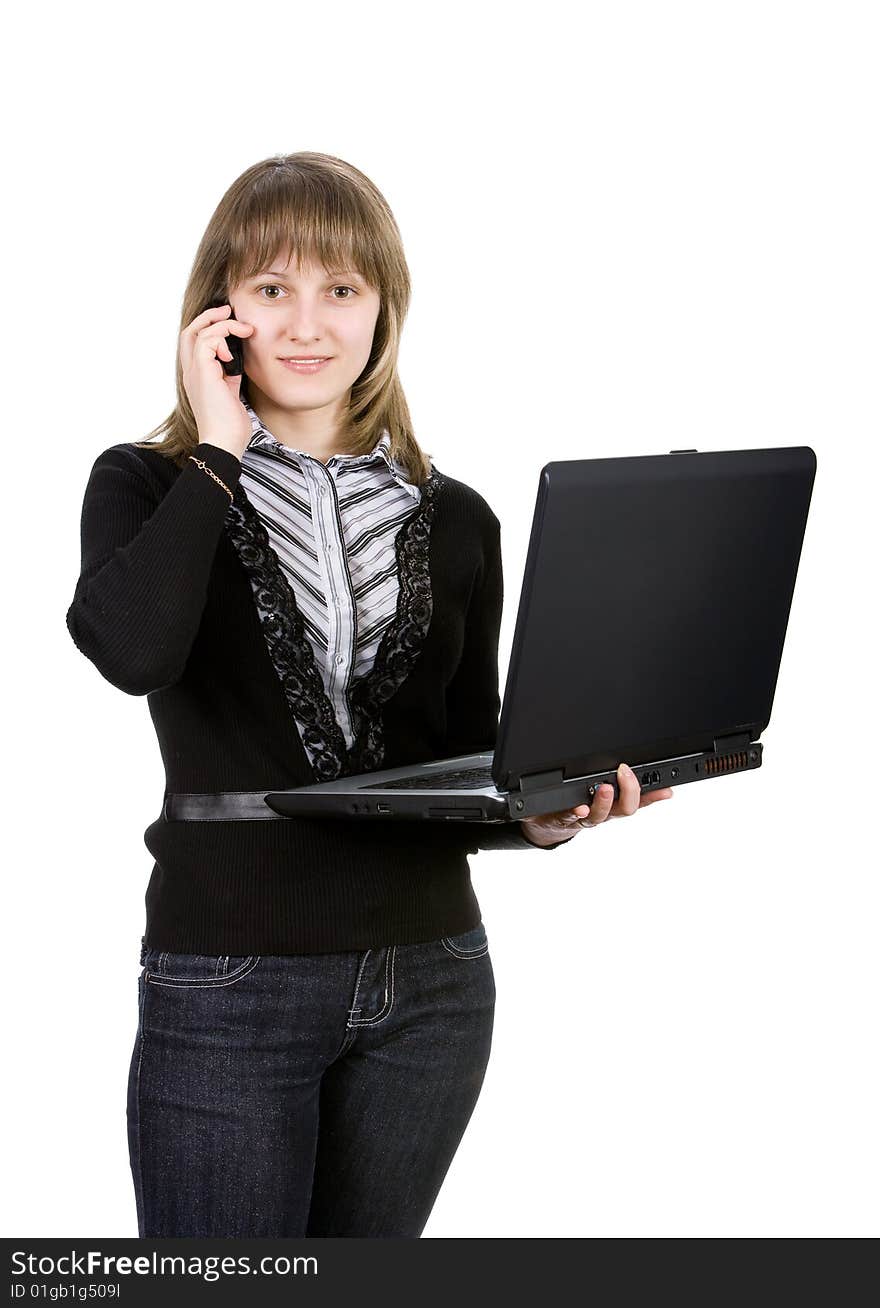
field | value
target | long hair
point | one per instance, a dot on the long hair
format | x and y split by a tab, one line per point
324	211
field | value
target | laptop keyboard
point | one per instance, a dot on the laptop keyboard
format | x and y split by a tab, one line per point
462	779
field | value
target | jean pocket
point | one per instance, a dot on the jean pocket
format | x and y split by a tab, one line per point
194	971
470	944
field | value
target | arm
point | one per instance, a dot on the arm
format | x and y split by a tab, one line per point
145	566
472	699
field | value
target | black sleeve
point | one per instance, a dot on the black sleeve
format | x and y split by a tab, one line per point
146	560
472	699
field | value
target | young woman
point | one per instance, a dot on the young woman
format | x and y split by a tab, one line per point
302	595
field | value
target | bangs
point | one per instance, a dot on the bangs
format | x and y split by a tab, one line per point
303	219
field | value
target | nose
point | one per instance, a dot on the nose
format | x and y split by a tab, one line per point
303	320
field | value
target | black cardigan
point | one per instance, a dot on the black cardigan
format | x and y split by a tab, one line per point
181	598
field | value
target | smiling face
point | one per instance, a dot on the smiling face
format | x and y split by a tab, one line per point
305	311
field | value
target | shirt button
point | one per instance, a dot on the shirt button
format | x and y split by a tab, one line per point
340	658
323	490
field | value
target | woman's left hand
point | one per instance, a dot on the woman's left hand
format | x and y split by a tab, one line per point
552	827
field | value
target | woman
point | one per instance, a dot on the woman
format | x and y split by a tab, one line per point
302	595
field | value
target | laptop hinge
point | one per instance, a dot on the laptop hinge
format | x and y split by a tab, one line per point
739	740
541	780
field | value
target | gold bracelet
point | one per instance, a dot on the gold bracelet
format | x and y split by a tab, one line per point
200	463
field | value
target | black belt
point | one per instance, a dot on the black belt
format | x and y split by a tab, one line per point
224	806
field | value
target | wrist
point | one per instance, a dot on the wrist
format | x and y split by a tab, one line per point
219	464
541	839
221	445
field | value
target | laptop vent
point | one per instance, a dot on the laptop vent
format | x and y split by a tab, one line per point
726	763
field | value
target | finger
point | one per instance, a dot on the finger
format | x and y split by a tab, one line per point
215	313
216	335
653	796
209	328
190	333
563	815
630	791
212	339
576	818
218	331
566	821
603	801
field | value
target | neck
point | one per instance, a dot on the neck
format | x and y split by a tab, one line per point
311	431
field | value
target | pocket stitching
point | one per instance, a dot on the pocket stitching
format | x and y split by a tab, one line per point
450	948
187	983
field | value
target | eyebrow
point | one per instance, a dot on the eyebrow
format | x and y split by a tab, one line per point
333	272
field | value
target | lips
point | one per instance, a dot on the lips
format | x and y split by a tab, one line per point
305	367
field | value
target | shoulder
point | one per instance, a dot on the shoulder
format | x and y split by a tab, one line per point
128	467
466	503
129	455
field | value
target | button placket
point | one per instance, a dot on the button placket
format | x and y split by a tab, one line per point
341	615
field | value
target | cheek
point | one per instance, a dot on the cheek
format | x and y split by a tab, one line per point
264	326
261	343
363	333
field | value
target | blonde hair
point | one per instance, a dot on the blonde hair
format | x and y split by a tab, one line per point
320	210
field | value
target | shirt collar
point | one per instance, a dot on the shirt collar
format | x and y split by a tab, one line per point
263	439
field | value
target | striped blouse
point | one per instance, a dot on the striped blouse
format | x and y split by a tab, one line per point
333	527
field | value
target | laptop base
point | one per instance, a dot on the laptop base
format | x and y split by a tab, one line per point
486	804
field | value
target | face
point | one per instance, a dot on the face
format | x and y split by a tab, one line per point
303	311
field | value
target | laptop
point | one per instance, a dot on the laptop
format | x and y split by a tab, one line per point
650	628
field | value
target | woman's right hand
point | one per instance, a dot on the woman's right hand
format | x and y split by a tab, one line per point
220	416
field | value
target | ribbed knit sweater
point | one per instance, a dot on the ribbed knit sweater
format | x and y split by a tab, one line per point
181	598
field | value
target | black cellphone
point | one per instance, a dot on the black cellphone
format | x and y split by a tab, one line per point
235	366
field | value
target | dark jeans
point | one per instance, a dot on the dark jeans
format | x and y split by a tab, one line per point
305	1094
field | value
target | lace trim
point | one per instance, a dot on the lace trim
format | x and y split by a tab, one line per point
402	640
284	633
291	652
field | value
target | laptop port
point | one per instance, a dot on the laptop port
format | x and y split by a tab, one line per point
383	808
646	777
456	814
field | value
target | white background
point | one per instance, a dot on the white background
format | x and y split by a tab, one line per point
631	228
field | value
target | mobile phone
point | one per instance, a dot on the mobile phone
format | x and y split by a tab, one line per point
233	367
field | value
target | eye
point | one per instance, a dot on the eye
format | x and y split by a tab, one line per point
273	286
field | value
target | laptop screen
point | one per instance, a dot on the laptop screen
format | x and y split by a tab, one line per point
654	606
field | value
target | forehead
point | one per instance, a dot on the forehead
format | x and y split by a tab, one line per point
307	272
